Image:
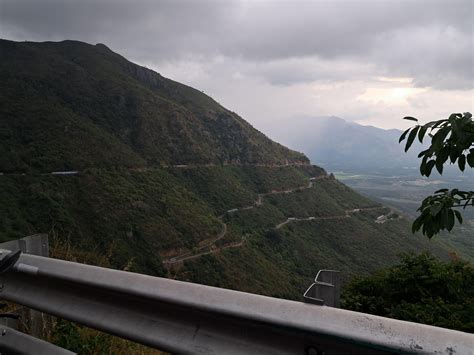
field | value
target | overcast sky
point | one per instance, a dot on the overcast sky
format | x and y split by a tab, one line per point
372	62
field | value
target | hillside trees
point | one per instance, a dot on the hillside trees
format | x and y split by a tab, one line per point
452	140
420	289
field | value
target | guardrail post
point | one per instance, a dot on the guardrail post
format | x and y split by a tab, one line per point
33	322
326	289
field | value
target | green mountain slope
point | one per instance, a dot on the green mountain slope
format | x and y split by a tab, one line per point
72	105
171	183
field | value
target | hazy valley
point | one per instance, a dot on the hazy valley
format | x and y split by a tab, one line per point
372	162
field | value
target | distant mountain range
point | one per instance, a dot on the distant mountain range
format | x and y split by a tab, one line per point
337	144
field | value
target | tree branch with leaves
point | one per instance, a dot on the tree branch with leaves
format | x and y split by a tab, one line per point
452	141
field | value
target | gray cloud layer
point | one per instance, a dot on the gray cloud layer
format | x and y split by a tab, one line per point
283	42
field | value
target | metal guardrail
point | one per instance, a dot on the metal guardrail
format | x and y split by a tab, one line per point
32	322
13	342
326	289
187	318
36	244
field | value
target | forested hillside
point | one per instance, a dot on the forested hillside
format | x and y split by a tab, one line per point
163	180
71	105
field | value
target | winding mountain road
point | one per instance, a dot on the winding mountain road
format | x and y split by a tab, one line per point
212	249
347	214
175	166
209	246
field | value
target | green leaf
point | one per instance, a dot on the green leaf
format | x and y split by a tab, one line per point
435	209
429	229
421	133
417	223
453	155
402	137
411	137
439	166
429	167
470	159
423	165
444	217
424	152
431	123
450	224
439	137
439	123
458	216
441	159
409	118
462	162
454	116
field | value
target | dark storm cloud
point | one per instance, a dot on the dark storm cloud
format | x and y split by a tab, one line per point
430	41
153	28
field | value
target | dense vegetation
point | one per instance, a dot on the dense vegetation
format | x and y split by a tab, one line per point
86	341
420	289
